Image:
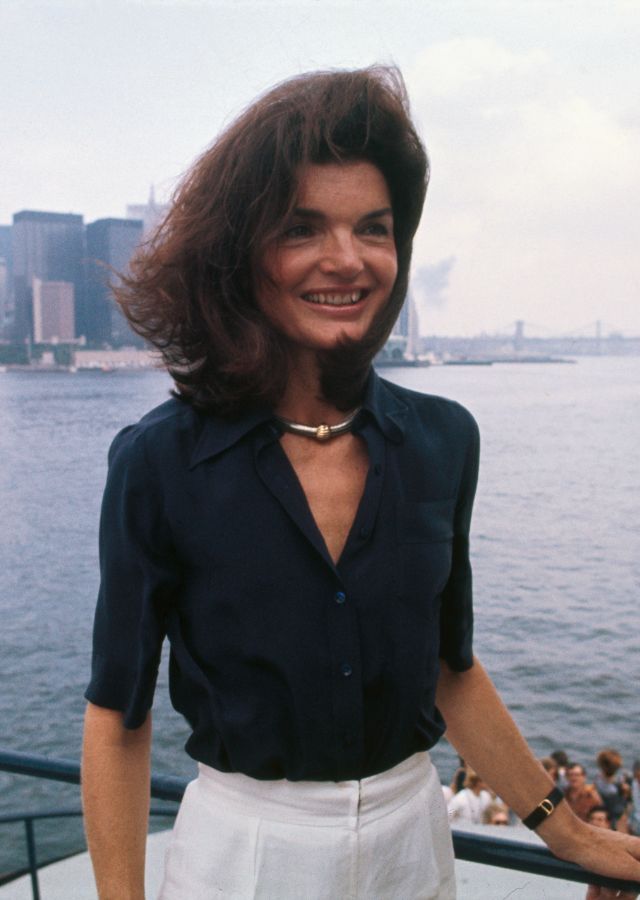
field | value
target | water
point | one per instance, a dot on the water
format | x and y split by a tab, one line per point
556	552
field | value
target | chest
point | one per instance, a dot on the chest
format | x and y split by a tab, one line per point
332	477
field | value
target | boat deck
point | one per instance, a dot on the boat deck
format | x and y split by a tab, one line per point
71	879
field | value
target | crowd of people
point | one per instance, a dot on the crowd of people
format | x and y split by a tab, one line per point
610	800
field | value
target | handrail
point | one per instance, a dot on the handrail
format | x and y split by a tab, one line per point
532	858
32	816
69	813
477	848
163	787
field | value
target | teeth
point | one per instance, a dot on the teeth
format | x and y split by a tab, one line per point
334	299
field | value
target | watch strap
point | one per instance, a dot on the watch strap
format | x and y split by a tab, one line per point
544	809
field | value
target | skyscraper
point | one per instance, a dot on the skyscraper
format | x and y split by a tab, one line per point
402	322
5	279
408	326
48	246
110	245
151	213
4	297
53	311
5	243
6	311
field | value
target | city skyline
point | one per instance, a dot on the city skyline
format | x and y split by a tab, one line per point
112	240
529	111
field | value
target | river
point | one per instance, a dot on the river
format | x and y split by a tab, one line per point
555	546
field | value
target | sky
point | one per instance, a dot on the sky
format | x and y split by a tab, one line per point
530	111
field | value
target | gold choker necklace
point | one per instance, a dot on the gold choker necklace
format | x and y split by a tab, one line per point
319	432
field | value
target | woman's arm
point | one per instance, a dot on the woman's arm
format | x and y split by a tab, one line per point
484	734
115	797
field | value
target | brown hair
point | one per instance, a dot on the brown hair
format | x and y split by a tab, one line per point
190	291
609	761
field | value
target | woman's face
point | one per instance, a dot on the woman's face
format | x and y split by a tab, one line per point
334	264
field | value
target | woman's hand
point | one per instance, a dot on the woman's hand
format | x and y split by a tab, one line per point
600	893
484	734
595	849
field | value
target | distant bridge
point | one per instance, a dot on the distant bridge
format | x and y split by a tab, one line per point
596	330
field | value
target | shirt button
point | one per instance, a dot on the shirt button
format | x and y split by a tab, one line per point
346	670
364	533
377	469
340	597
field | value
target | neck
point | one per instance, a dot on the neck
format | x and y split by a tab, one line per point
302	400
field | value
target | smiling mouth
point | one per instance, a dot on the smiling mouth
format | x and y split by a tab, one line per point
325	298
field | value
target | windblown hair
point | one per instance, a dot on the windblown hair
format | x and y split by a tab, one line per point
191	289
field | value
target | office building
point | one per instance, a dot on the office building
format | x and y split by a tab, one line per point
408	327
50	247
53	311
150	213
6	306
110	245
402	322
5	243
4	297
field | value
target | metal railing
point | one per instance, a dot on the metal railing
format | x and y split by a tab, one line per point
477	848
29	818
163	787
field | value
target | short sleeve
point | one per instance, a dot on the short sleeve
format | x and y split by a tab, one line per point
138	577
456	619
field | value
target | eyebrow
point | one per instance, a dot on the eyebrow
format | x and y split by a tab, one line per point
305	213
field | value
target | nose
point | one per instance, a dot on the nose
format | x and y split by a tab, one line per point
341	255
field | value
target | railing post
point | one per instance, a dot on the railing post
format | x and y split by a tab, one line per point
31	854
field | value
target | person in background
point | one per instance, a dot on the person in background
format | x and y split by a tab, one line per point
580	796
469	804
457	782
459	777
496	813
613	787
562	762
634	818
549	764
599	818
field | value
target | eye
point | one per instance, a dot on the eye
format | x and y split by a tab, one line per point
297	231
376	229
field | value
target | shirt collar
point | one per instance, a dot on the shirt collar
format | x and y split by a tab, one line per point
387	410
218	435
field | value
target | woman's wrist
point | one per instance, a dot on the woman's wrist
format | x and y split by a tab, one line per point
544	809
563	831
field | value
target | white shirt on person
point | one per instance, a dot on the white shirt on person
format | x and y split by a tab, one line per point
466	806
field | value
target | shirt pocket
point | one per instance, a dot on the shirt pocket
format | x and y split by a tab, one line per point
425	549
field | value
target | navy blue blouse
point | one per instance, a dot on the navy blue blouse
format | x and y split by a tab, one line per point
284	664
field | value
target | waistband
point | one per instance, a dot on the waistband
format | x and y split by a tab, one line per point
319	802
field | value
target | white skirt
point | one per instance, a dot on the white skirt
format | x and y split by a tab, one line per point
383	838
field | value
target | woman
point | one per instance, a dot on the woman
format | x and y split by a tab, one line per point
613	787
471	803
299	530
